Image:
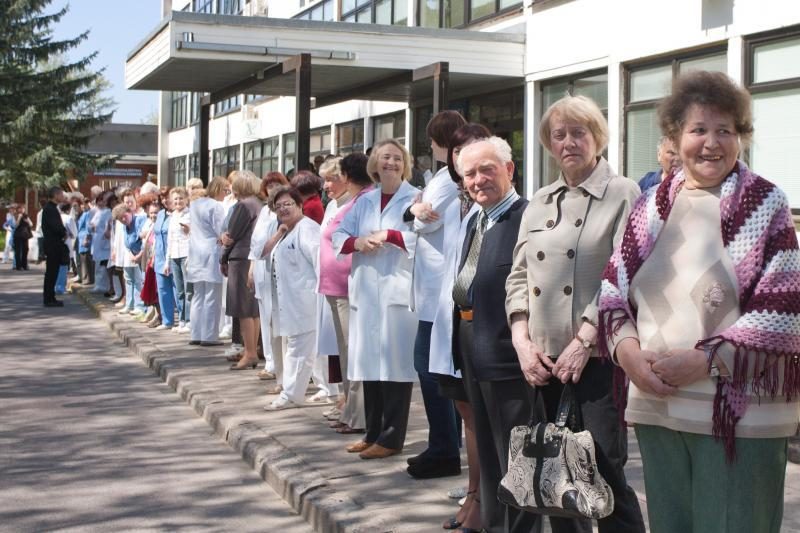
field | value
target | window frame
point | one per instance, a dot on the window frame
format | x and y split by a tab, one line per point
207	6
306	13
396	117
468	21
231	163
674	61
179	111
237	7
263	143
750	44
173	163
370	6
355	124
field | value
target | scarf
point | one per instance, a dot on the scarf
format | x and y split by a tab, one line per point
759	236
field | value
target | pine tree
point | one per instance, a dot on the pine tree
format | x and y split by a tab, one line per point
45	111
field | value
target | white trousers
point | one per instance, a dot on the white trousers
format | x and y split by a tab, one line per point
278	345
266	336
205	306
225	320
299	365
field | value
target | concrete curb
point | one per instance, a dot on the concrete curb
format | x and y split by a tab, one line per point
307	492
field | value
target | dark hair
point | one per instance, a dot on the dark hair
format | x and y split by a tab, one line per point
146	200
442	126
269	179
307	183
53	191
464	134
709	89
110	199
65	207
292	192
354	166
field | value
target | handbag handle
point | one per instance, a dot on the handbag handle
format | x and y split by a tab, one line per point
569	412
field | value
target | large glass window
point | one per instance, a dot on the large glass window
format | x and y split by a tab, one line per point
177	171
203	6
178	109
350	137
229	7
289	148
321	11
194	107
228	104
225	160
194	165
773	77
376	11
455	13
591	85
646	86
319	143
261	156
389	127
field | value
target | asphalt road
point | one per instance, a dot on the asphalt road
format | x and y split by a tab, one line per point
91	440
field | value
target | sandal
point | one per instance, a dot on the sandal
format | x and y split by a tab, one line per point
452	522
235	358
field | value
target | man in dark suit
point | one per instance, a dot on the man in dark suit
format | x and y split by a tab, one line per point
56	251
493	379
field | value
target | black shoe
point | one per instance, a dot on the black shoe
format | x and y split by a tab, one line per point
211	343
54	303
195	343
421	458
433	468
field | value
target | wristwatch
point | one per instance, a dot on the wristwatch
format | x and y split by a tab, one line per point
586	343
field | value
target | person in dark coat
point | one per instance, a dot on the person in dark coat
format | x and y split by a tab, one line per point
56	252
22	234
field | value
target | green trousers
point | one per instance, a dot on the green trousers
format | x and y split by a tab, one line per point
691	489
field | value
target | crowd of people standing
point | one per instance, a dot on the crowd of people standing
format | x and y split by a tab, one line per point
671	305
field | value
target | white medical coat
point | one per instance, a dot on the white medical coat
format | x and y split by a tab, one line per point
206	215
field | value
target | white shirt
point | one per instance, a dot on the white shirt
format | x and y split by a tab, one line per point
177	239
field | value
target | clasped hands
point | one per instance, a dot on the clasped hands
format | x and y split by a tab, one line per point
538	368
372	242
661	373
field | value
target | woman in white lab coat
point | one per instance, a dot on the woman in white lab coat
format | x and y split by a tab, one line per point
294	253
382	327
260	278
203	271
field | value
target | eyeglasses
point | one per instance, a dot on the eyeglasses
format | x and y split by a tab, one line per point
285	205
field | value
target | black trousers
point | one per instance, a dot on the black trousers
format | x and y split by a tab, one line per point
21	254
52	265
600	416
497	406
86	268
386	405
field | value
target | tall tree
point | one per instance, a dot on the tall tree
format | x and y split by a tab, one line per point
46	111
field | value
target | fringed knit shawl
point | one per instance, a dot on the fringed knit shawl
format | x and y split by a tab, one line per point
758	233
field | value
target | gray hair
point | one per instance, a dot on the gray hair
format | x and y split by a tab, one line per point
149	187
502	150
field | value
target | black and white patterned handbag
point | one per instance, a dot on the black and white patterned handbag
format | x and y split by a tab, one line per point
552	468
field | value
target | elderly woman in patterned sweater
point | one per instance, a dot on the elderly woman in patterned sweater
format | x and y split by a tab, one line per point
699	307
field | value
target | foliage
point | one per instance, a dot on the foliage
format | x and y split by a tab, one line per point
49	107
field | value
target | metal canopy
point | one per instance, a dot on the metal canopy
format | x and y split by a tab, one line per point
208	53
328	62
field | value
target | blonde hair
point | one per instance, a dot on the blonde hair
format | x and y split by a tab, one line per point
119	210
372	164
194	183
578	109
331	167
216	186
180	191
244	183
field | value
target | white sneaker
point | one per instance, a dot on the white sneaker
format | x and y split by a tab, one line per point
124	311
226	333
163	327
280	404
121	303
320	397
234	349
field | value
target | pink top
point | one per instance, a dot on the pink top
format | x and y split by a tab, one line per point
333	273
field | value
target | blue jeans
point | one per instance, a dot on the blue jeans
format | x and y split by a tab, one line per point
183	289
443	429
133	288
166	298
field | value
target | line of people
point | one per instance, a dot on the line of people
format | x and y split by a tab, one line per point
679	301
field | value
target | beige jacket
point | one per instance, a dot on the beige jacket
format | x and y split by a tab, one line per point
565	240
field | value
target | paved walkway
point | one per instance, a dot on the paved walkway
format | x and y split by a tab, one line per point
91	440
302	459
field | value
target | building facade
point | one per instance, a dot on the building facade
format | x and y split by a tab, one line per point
622	53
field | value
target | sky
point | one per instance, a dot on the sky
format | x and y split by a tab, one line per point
115	28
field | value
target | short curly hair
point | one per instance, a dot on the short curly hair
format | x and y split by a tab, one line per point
703	88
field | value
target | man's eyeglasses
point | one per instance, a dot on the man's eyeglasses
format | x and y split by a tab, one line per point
285	205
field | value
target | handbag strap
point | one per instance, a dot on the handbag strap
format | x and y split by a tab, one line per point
569	412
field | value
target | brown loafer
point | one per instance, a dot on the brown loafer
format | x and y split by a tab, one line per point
376	451
358	447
